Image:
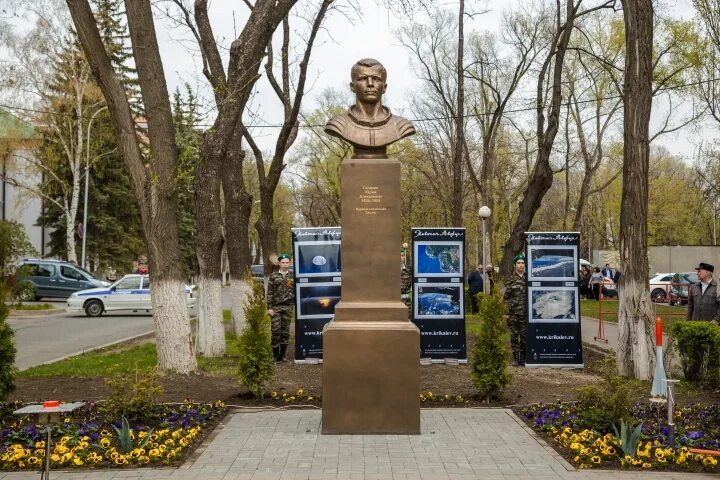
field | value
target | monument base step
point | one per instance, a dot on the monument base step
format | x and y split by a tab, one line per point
371	312
371	378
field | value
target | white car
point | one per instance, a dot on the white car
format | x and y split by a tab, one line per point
131	292
660	287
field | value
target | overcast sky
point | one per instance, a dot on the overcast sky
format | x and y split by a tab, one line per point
369	32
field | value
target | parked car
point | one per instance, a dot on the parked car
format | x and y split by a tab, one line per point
131	292
54	278
680	287
257	273
609	288
660	286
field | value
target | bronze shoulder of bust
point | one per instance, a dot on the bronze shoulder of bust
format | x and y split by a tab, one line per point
364	133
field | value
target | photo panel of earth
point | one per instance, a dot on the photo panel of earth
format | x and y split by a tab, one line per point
317	300
433	300
439	259
317	258
552	263
554	304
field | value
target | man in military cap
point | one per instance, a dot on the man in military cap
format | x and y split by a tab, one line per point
703	303
405	282
280	299
516	297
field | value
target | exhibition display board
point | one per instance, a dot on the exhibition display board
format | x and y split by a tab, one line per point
317	270
438	259
553	323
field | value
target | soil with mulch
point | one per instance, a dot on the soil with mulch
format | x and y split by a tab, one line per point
526	386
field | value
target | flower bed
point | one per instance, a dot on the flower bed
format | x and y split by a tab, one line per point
87	438
696	426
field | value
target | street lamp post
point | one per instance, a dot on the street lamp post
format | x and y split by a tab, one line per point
484	213
87	186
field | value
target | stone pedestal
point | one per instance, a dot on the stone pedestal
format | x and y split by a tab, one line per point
371	351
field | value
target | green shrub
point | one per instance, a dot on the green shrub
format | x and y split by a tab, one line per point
21	292
699	347
491	354
7	350
601	405
133	395
255	366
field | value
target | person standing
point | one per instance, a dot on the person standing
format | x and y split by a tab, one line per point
703	303
596	283
475	286
516	297
405	283
608	272
585	282
280	299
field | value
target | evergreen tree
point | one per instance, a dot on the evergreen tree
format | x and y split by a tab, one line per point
187	139
491	354
7	349
255	366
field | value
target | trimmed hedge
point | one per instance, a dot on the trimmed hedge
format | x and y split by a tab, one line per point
699	347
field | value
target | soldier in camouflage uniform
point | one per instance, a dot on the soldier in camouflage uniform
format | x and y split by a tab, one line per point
280	299
516	297
405	283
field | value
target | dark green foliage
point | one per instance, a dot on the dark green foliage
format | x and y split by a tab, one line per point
607	402
14	244
255	366
699	347
7	350
491	354
187	138
133	395
629	437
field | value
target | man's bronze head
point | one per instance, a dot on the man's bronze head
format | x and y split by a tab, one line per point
368	80
368	62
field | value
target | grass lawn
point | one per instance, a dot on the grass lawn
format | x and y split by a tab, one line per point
110	361
590	308
35	306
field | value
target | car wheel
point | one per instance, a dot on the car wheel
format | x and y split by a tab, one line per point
658	295
26	293
94	308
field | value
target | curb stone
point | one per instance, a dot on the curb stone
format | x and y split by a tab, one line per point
36	313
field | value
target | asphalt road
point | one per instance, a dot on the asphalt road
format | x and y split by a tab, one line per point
45	339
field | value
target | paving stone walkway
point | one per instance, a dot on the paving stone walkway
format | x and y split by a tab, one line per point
455	444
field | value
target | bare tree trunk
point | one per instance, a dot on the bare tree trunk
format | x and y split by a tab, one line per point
211	331
457	198
153	181
238	206
635	321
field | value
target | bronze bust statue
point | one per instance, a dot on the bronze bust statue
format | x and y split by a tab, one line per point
368	125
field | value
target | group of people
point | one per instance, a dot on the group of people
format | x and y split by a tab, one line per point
592	280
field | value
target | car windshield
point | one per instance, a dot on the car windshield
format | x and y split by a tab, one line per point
690	277
88	274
